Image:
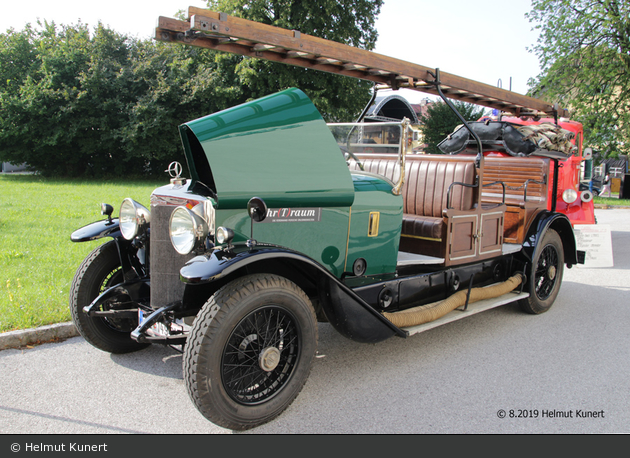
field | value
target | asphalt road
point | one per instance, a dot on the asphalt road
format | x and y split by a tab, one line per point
501	371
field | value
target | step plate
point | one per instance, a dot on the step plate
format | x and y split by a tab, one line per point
473	308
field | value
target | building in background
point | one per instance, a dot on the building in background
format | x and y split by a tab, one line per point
9	168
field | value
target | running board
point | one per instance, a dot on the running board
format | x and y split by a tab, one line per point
473	308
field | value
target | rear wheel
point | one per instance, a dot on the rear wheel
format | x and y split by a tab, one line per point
99	271
250	351
545	276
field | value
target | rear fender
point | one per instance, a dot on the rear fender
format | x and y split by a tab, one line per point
344	309
562	225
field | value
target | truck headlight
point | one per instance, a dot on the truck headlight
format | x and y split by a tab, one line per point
187	229
586	196
224	235
134	218
569	195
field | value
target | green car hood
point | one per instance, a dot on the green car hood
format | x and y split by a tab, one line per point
277	148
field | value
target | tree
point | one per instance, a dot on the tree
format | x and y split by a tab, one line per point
584	50
440	121
337	97
172	85
96	103
64	115
82	103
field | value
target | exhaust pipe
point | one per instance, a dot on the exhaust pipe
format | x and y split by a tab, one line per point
430	312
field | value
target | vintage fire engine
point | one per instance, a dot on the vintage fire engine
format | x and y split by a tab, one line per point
286	222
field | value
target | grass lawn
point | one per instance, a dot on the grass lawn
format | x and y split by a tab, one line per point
614	201
37	258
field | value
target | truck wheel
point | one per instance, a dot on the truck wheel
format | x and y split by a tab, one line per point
545	275
99	271
250	351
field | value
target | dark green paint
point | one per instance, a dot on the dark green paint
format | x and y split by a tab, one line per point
277	148
374	194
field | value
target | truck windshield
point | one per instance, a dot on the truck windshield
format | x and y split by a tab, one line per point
360	141
368	138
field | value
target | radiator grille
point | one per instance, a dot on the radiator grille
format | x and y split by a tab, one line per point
166	286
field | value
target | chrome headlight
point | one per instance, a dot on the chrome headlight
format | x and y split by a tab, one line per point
134	218
188	230
569	195
586	196
224	235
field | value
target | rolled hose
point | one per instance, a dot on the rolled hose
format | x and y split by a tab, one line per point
430	312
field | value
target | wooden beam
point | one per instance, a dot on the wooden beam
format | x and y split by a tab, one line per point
292	47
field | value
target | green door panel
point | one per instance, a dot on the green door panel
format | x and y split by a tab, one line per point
277	148
373	195
340	235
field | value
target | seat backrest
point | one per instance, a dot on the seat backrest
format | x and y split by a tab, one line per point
517	173
427	181
386	166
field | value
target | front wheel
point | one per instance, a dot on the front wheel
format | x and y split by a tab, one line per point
250	351
99	271
545	275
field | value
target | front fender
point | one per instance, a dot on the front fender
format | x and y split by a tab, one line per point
133	292
345	310
221	263
97	230
133	258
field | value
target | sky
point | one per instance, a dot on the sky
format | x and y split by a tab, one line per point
484	41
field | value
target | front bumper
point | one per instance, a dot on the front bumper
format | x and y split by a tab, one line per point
161	327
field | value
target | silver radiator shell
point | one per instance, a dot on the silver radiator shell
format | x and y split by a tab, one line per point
165	262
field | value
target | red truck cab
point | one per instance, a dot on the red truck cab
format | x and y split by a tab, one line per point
577	205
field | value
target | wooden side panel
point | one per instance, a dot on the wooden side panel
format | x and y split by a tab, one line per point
491	239
526	183
462	240
513	225
525	179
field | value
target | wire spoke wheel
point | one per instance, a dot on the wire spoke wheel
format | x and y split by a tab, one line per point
250	351
100	271
545	274
260	355
121	302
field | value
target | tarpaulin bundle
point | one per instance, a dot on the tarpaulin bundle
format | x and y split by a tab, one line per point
545	139
550	137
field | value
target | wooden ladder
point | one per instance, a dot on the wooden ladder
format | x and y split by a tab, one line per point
212	30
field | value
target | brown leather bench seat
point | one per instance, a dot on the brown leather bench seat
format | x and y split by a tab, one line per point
425	195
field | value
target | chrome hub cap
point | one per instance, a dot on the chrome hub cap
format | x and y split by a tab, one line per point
261	355
269	359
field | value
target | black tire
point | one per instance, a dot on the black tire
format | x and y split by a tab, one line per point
545	276
99	271
259	331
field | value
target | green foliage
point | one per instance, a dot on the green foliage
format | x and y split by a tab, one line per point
100	104
584	50
76	102
338	98
440	121
63	102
